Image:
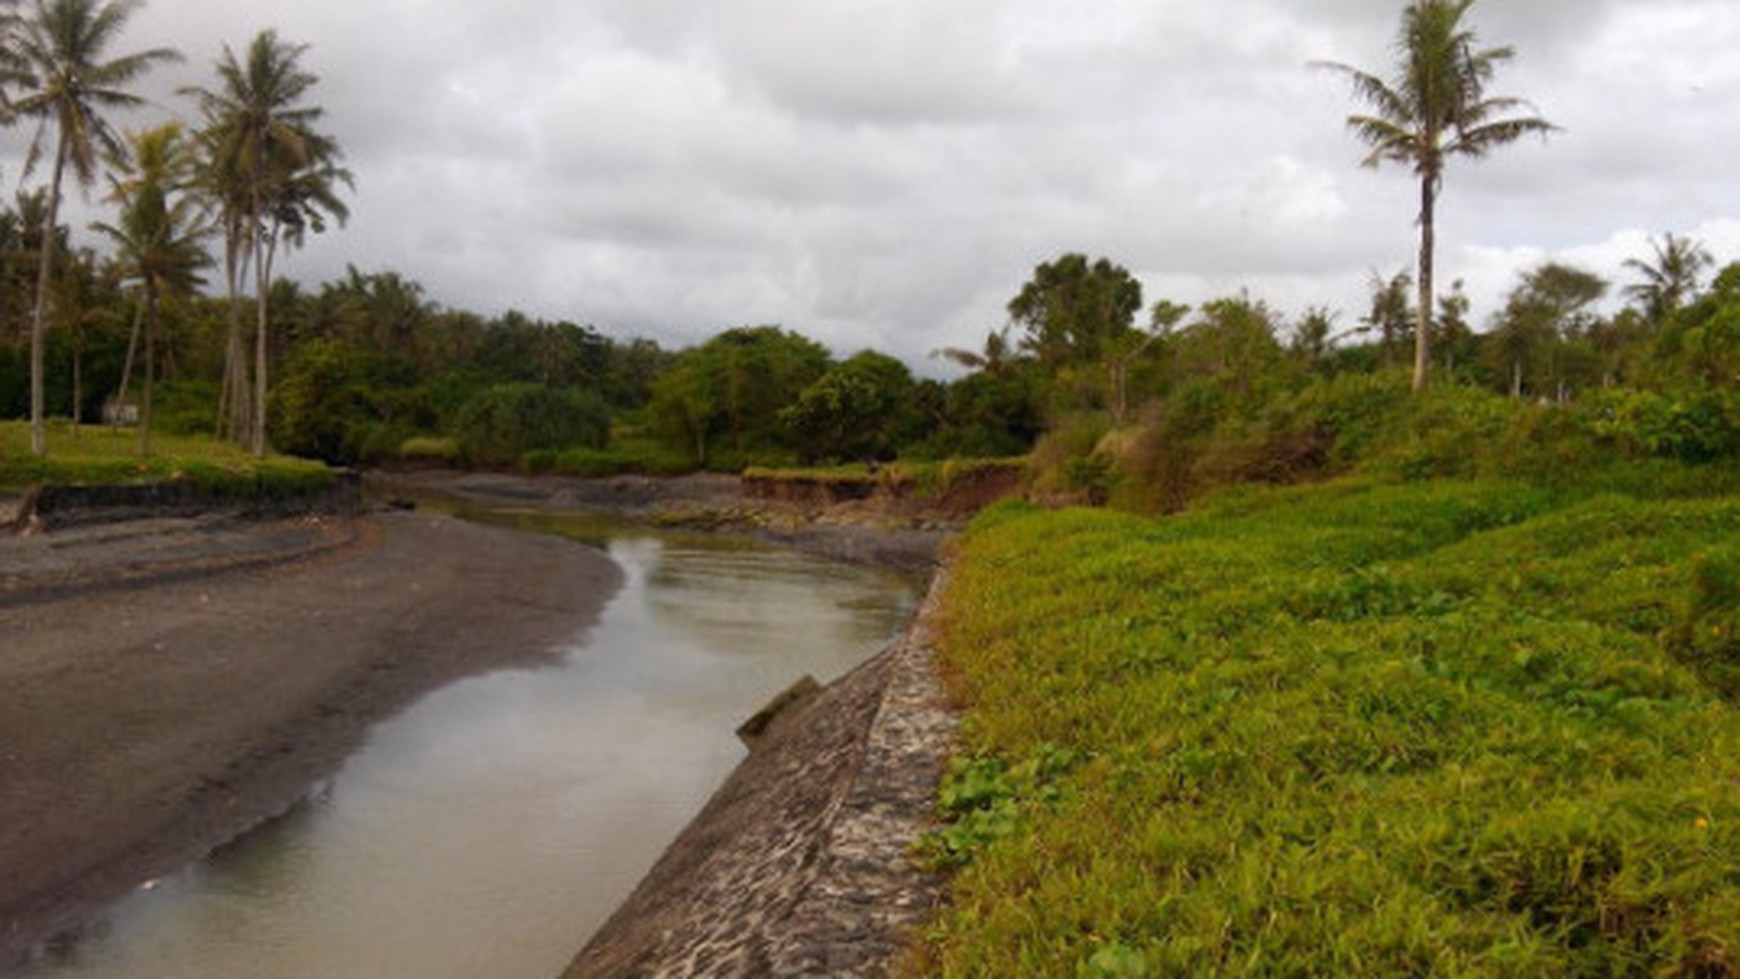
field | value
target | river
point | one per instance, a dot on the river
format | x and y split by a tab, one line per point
493	826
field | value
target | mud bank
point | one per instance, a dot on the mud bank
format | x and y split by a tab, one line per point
799	865
884	532
174	682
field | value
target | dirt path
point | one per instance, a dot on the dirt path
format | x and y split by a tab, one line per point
164	689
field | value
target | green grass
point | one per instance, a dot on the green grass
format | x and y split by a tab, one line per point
1365	728
100	455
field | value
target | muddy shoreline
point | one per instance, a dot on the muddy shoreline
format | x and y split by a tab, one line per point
122	627
884	532
172	682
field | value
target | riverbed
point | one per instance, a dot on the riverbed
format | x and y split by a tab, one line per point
490	828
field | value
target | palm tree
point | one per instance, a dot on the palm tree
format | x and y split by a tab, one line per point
273	178
1669	282
57	63
1436	108
995	359
158	236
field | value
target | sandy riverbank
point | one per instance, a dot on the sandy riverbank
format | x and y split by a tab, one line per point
169	684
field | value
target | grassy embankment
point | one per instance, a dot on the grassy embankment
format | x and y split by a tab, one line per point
1373	727
103	456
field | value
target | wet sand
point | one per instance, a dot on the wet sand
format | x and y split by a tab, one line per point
166	685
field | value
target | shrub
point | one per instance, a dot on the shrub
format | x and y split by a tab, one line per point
500	425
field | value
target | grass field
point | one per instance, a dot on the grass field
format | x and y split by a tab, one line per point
1366	728
101	455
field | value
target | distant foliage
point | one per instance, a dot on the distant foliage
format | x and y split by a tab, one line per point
503	423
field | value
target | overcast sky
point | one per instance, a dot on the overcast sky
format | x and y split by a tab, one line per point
887	173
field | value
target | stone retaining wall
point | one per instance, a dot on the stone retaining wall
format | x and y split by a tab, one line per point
799	865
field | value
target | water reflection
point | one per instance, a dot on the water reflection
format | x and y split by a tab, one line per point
491	828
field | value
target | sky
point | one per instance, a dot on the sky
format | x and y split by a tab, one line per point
887	173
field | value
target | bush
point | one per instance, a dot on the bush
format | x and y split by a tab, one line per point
1688	424
500	425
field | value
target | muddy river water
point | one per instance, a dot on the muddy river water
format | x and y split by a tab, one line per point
492	827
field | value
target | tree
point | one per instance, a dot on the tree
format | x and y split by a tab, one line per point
1391	316
734	386
57	62
158	236
1670	280
1312	336
1070	309
1123	349
273	177
1547	310
857	410
1434	109
994	357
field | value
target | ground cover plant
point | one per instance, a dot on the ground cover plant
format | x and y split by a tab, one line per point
1371	727
101	455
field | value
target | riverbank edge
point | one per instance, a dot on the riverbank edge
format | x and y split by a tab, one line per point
889	533
801	864
266	770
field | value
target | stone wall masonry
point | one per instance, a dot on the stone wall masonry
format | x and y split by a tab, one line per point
800	865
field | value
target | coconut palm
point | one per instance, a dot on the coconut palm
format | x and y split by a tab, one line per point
57	65
158	237
273	179
1670	281
1436	108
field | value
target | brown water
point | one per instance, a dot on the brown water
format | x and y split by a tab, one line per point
491	828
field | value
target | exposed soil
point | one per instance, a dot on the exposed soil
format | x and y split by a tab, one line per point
883	532
169	684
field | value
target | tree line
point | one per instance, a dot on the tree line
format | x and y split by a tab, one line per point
256	174
369	370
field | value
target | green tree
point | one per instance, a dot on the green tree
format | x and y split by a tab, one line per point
1543	317
500	425
58	64
995	357
1071	309
857	410
732	388
1231	345
1434	109
1312	336
274	177
158	236
1669	279
1392	318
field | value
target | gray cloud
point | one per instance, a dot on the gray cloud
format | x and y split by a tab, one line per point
888	172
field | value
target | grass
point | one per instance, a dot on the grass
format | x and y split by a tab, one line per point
1457	728
99	455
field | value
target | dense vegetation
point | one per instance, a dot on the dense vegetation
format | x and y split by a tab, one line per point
1120	400
1468	726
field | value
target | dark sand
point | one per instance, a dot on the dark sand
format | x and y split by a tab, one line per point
167	685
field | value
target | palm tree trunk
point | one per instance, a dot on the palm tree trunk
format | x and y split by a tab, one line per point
234	399
263	248
1423	326
39	323
150	369
132	347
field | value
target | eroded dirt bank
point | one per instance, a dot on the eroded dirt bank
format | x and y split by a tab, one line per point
169	684
884	532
